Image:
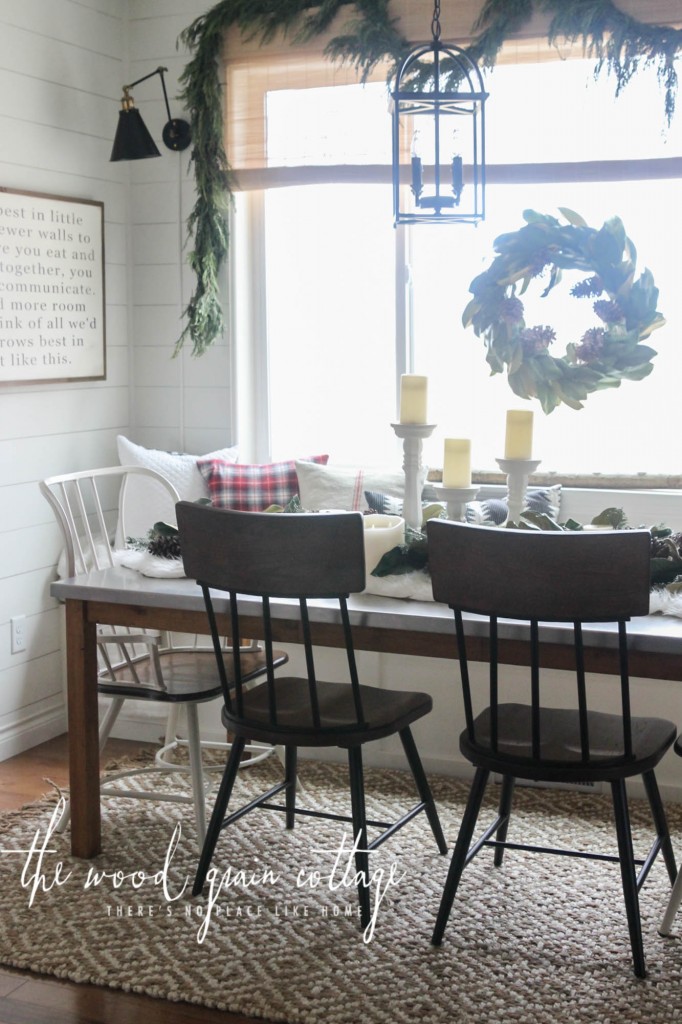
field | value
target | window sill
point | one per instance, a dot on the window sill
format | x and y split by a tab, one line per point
593	481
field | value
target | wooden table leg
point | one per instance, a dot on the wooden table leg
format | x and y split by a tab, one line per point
81	666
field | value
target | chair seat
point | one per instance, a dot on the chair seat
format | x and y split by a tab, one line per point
188	676
560	752
386	712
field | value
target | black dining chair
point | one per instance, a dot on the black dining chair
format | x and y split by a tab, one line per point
304	557
551	578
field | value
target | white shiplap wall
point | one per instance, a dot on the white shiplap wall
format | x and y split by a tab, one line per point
60	73
181	403
62	66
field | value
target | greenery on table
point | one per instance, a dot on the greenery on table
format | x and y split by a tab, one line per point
619	43
162	540
625	308
666	545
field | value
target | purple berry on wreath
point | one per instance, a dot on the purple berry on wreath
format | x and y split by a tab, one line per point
540	260
591	345
590	288
536	340
511	310
609	312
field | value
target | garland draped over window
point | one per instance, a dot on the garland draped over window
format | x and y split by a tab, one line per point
619	43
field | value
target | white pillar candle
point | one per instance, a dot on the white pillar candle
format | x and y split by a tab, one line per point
413	391
519	437
382	533
457	462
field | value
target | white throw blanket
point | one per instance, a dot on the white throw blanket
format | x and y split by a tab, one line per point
415	586
150	565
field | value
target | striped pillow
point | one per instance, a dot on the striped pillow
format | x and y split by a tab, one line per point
490	512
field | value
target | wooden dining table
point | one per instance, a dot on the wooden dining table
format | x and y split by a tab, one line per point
120	596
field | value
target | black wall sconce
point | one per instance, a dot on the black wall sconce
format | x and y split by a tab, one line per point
133	141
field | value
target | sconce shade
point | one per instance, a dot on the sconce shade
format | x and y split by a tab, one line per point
132	140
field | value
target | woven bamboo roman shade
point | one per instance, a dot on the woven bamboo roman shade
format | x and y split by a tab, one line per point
251	70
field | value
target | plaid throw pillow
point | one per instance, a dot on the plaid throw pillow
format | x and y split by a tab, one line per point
251	488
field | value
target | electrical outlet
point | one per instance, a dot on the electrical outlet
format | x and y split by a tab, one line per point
18	628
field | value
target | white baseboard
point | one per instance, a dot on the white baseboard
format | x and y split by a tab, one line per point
460	769
145	727
147	724
32	726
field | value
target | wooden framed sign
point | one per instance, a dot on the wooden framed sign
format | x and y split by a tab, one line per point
52	313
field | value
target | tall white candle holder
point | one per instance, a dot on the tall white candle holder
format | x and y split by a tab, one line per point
413	435
455	499
517	472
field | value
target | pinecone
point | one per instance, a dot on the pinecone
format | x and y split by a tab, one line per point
542	258
591	345
164	541
609	312
511	310
536	340
590	288
666	546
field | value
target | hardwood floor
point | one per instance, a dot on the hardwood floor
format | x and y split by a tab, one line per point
27	998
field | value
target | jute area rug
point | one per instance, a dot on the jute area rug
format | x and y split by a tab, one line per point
542	939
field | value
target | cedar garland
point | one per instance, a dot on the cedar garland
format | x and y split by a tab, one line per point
619	43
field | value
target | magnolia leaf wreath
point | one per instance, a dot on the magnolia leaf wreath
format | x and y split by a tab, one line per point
624	306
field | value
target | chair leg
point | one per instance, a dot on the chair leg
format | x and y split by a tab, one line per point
290	759
423	788
506	796
661	823
672	908
220	806
106	725
171	725
628	874
357	796
460	852
196	771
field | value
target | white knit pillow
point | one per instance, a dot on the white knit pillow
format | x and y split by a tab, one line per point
145	505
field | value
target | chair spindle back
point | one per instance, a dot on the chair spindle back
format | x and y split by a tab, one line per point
271	556
555	577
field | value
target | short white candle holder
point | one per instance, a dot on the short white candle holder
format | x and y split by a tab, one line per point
413	435
455	499
517	472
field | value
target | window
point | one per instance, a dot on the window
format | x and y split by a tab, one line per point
348	302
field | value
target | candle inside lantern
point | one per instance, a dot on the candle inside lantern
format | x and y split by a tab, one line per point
416	176
519	437
457	177
416	164
413	391
382	534
457	462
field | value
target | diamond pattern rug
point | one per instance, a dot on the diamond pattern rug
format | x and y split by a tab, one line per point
541	940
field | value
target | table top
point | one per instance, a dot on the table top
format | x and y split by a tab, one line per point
655	634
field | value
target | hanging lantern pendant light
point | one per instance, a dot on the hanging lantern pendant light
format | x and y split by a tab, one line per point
439	118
